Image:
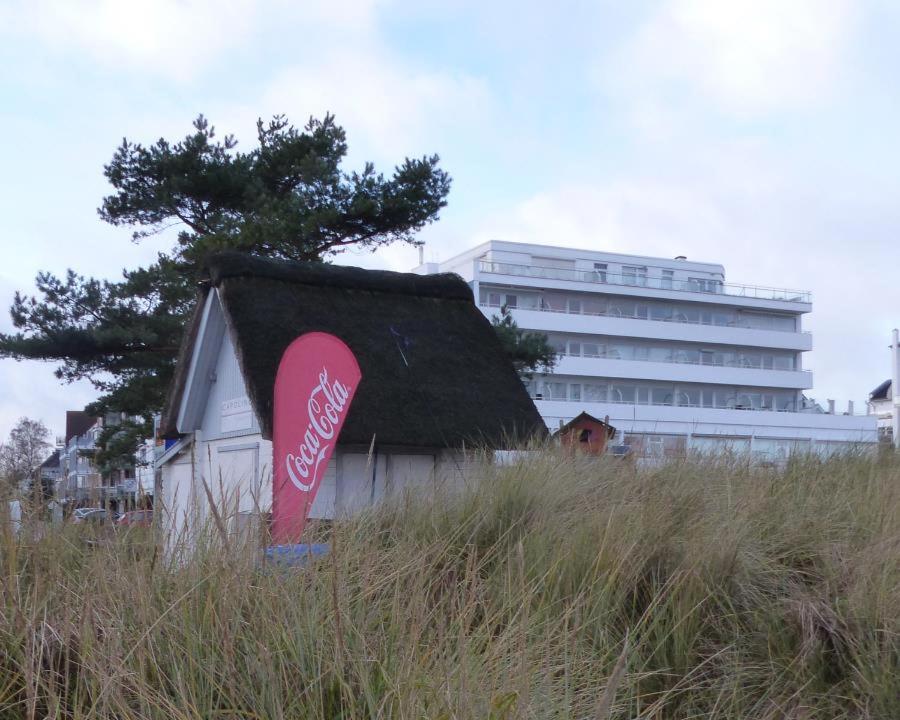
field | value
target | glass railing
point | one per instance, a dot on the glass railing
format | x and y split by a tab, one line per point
544	398
601	277
618	314
738	364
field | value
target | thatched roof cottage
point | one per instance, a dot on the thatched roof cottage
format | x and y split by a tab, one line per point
434	381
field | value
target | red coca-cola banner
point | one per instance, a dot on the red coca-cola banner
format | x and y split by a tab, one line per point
316	381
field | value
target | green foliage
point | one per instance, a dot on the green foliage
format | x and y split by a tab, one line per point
286	198
560	587
529	351
117	442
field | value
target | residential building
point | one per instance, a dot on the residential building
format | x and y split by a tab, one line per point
79	479
674	355
881	406
81	483
51	471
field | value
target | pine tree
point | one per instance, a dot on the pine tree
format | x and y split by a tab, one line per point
287	198
530	352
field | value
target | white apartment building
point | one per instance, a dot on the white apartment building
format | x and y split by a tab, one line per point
675	356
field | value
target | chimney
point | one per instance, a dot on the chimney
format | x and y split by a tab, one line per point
895	388
421	246
831	407
849	407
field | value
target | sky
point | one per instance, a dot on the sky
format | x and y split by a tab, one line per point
760	134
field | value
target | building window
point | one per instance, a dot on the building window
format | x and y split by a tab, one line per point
590	349
624	393
594	393
555	391
634	275
707	285
512	301
575	391
600	272
667	278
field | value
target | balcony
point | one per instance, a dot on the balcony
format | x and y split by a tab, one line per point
598	277
550	321
682	371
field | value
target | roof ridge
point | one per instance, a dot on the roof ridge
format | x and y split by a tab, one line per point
232	265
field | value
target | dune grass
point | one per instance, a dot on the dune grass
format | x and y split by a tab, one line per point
556	588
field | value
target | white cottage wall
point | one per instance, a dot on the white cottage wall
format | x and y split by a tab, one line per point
228	412
361	481
174	500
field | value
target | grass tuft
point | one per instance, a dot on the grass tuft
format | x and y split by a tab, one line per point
559	587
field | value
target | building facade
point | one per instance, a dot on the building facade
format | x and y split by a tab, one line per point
80	482
881	406
676	357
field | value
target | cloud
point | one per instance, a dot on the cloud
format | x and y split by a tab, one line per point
390	109
176	39
747	58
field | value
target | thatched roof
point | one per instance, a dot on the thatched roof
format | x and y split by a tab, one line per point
433	371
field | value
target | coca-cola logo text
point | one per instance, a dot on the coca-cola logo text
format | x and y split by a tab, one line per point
325	407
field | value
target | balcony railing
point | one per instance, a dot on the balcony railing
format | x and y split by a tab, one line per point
791	408
602	277
742	364
100	494
618	314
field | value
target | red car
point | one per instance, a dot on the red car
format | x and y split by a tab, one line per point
136	518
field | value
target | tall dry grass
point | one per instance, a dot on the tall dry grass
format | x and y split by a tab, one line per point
556	588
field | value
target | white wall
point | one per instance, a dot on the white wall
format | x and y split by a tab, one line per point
656	330
238	474
711	421
582	367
